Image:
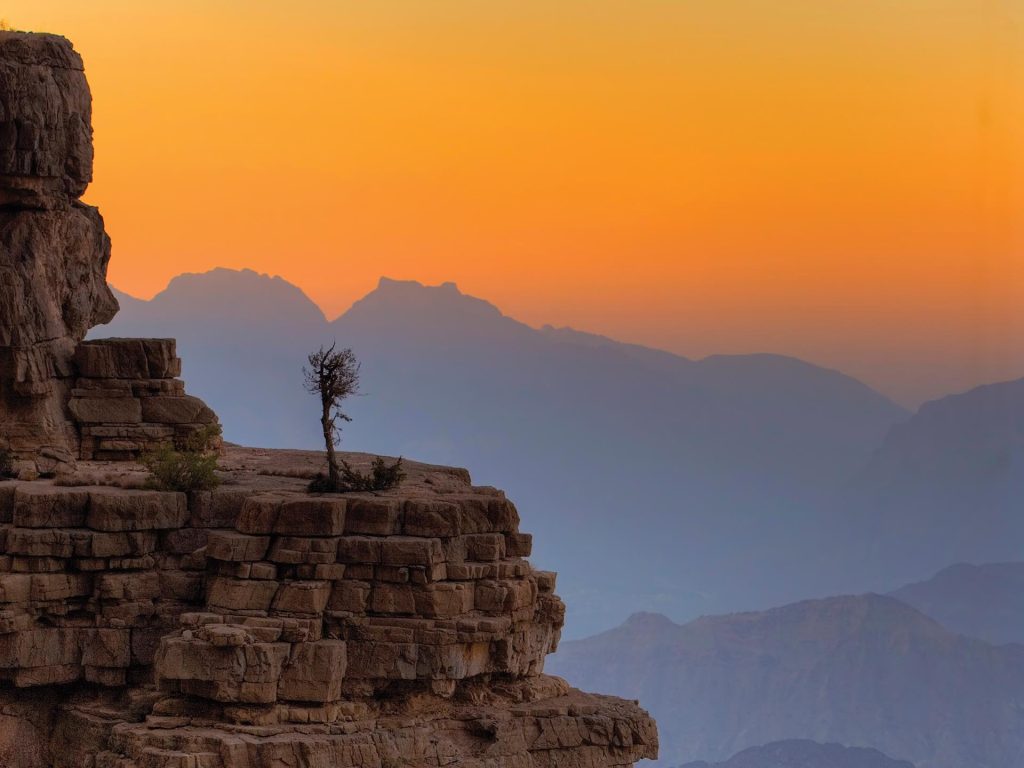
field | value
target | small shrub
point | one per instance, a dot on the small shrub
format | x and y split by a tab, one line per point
189	468
6	464
385	476
205	440
381	477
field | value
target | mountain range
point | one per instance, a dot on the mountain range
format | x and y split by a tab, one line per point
949	480
984	601
653	481
803	753
864	670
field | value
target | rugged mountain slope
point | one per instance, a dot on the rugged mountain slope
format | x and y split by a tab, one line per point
670	466
966	438
865	670
984	601
803	753
946	486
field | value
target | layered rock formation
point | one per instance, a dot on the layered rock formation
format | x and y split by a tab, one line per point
53	265
257	626
126	399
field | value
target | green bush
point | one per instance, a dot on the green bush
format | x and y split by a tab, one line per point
381	477
192	467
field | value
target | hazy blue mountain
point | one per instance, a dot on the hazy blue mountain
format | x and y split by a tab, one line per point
243	338
866	670
803	753
984	601
945	486
964	438
652	480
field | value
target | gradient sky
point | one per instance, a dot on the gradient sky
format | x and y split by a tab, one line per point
841	180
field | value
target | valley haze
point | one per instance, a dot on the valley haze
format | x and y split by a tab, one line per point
683	464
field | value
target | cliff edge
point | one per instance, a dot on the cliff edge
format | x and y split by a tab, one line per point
258	625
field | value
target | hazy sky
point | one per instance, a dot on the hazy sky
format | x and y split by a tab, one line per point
841	180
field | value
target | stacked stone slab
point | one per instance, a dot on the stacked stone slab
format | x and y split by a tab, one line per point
262	626
320	599
126	399
90	579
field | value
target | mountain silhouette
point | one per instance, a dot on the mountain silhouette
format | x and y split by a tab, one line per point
652	480
863	670
945	486
803	753
984	601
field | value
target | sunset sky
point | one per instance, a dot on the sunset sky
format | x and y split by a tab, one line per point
842	180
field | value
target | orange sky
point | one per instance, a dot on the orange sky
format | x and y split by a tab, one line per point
840	180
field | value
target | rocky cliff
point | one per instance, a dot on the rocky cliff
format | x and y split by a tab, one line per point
53	248
57	396
257	625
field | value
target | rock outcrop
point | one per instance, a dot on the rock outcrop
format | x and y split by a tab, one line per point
126	399
54	253
257	626
53	248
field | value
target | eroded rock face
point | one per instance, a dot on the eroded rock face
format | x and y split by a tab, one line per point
258	626
45	123
53	249
61	399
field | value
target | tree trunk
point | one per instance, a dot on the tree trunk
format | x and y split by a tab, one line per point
333	474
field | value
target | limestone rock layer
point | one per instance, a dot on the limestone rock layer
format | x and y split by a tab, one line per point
258	626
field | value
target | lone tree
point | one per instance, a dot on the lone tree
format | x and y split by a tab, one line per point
333	375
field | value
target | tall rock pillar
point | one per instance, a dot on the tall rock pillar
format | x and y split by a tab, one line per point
53	248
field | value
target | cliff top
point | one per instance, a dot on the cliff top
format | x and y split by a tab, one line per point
282	471
39	49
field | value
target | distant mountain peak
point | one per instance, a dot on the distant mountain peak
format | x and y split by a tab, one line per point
976	600
394	299
389	283
235	302
649	620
